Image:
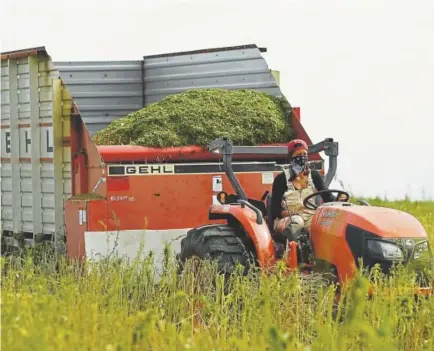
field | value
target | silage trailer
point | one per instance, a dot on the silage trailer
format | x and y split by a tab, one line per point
89	200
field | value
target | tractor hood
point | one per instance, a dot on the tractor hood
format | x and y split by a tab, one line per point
381	221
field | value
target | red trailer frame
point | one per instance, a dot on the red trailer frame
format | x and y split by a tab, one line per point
152	194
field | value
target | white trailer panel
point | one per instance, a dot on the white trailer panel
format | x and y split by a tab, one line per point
35	160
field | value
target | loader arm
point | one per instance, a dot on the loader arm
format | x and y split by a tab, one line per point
224	147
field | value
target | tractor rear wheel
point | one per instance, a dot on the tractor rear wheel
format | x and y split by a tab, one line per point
217	242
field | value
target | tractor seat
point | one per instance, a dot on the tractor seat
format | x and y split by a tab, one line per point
270	219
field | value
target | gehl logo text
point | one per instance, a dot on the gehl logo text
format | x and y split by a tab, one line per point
149	169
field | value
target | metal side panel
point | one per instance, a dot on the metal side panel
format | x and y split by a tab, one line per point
228	68
108	90
35	161
104	90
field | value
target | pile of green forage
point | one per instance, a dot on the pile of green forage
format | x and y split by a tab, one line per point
197	117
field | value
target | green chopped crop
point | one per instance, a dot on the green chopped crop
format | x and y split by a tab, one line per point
197	117
87	196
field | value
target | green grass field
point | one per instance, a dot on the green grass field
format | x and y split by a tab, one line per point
112	307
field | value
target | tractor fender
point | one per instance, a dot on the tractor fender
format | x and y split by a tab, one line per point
259	233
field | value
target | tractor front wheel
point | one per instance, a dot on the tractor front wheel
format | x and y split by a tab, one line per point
216	242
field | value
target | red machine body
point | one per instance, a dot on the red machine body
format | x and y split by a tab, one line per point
153	195
339	231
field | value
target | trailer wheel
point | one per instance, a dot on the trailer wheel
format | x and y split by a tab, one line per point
216	242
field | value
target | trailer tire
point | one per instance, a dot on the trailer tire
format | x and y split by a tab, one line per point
217	242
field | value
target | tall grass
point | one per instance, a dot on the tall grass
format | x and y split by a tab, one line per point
53	304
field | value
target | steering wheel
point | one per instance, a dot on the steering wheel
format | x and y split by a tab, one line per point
309	205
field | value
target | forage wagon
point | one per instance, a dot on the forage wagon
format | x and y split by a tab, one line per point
57	185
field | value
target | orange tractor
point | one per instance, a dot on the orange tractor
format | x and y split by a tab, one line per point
341	232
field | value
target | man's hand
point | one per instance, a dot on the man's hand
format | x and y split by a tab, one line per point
286	213
341	197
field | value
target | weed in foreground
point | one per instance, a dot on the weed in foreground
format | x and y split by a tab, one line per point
48	303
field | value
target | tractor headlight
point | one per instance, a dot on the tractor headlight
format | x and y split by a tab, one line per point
385	250
421	249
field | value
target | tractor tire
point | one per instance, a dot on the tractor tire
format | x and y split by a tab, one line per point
217	242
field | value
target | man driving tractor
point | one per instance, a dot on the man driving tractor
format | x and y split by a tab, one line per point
330	240
289	190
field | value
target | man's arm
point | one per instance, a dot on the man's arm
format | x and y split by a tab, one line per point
319	184
279	188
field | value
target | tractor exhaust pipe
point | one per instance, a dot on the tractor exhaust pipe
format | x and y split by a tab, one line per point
224	147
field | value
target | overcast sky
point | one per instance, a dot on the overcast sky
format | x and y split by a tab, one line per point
362	71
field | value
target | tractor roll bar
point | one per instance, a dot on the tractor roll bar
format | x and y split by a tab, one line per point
331	149
224	147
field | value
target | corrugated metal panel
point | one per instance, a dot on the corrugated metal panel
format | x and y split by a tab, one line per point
35	175
108	90
229	68
103	90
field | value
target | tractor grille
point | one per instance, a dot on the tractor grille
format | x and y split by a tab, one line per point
416	252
